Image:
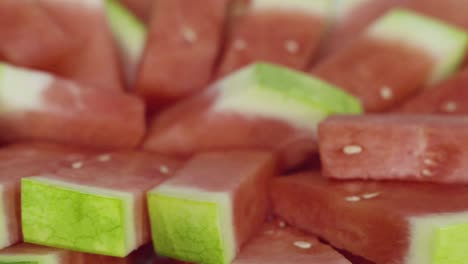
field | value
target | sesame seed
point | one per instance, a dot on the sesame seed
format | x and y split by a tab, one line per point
164	169
302	244
352	149
427	173
386	93
104	158
353	198
189	35
450	107
369	196
291	46
239	44
77	165
282	224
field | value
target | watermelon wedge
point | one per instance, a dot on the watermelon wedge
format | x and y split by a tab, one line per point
38	106
211	207
449	97
261	106
103	209
95	63
34	254
183	42
141	8
386	222
408	147
130	34
397	56
282	32
25	22
276	245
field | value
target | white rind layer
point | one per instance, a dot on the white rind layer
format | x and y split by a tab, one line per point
127	198
422	234
92	4
224	201
313	7
4	240
22	89
344	8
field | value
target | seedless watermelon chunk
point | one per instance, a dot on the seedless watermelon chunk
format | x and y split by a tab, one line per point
397	56
407	147
260	106
211	207
33	254
96	205
386	222
36	105
279	245
282	32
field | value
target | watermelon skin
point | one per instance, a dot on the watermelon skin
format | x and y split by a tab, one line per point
449	97
33	254
276	245
384	228
141	8
403	147
95	63
265	35
107	181
93	118
367	67
182	36
31	23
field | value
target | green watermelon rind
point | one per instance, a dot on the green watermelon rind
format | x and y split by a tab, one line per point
76	217
129	31
3	218
25	258
190	225
273	91
421	32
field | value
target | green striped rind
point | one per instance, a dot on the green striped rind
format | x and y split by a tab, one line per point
76	217
451	244
444	42
191	227
129	31
280	93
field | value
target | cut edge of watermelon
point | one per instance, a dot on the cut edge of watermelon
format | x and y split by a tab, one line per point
4	240
421	32
321	8
182	196
438	239
273	91
124	201
29	258
13	83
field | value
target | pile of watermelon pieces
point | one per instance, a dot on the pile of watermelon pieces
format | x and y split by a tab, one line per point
233	131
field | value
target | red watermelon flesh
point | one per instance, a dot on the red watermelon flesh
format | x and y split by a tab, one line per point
289	38
407	147
449	97
29	253
277	245
380	74
141	8
96	62
386	222
143	255
24	22
38	106
183	42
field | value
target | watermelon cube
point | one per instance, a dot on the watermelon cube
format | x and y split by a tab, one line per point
261	106
183	42
35	40
34	254
282	32
95	61
386	222
279	245
397	55
95	205
449	97
39	106
212	206
407	147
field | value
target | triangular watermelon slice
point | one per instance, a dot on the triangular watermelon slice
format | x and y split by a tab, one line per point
386	222
261	106
36	105
29	37
282	32
397	56
95	63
